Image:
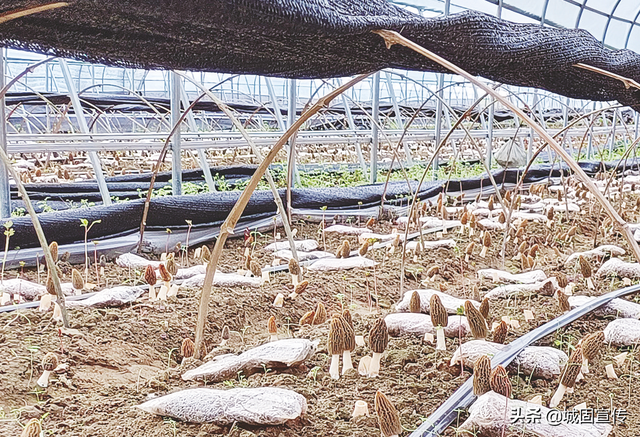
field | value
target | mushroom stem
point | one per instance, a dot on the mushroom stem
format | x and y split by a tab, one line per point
273	337
293	295
43	381
162	294
346	361
590	284
585	365
334	369
374	367
152	293
557	397
440	344
483	252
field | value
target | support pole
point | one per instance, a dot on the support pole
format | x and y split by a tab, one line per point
438	129
176	164
5	191
352	126
292	112
276	105
375	139
84	128
489	157
202	156
399	121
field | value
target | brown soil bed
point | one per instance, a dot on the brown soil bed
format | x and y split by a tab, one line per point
122	355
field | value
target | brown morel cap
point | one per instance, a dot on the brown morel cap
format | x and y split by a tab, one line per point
592	344
188	348
484	308
414	302
53	248
33	429
439	315
562	280
379	336
563	301
150	275
294	267
301	287
585	267
50	362
482	375
255	269
335	345
500	333
164	273
321	314
499	382
469	249
346	315
550	213
171	265
76	279
364	248
572	368
349	334
476	321
272	326
486	240
307	318
490	205
225	333
432	271
388	417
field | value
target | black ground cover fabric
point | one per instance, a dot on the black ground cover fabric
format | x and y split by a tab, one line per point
318	38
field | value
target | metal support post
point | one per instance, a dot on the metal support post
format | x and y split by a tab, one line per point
193	127
438	129
292	113
375	115
176	164
489	156
352	126
590	134
84	128
276	105
399	121
5	189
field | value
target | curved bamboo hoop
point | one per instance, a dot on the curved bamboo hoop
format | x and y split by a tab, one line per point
231	221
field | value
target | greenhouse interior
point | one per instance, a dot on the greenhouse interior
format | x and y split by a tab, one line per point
336	218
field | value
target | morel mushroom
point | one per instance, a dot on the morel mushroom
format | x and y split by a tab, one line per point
591	346
255	269
335	345
378	341
298	289
484	308
482	375
344	250
500	333
53	248
439	320
294	269
562	281
171	265
486	244
205	253
370	222
568	377
499	382
224	336
349	343
150	277
364	248
273	328
321	315
550	216
307	318
468	251
33	429
166	278
414	303
187	348
477	323
388	417
563	301
346	315
49	363
76	281
585	269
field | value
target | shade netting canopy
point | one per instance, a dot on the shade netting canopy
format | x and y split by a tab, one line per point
319	39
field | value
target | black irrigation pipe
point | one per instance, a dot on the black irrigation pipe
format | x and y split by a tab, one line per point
464	397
